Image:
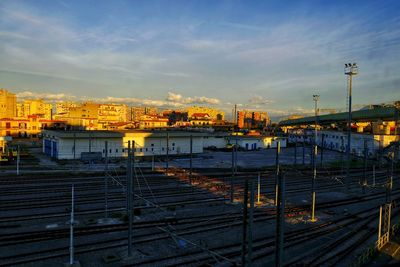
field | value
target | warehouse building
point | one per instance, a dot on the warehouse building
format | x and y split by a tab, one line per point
92	144
81	144
149	143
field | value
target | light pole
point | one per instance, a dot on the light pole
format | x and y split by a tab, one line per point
315	98
349	70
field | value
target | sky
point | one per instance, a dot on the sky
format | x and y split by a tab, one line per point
266	55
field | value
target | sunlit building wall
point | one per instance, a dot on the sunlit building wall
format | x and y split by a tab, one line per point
64	107
8	104
215	114
252	119
35	107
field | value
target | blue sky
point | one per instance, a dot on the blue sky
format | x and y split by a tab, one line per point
271	55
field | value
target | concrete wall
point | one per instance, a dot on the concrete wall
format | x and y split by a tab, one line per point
63	148
336	140
253	143
217	141
148	146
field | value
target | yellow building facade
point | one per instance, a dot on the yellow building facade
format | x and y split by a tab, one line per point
8	104
215	114
35	107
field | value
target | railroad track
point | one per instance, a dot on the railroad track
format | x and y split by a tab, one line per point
191	229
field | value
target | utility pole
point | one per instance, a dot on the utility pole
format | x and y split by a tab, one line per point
278	152
236	153
304	147
235	117
315	98
349	70
258	188
373	175
129	197
167	159
152	162
191	159
71	228
280	221
232	174
295	153
322	148
106	181
341	155
74	145
245	217
18	159
364	183
251	221
90	142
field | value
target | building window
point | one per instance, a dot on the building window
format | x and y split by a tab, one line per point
116	150
152	144
162	149
123	150
110	150
152	149
140	150
173	144
146	149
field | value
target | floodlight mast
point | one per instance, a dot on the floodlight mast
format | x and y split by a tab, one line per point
349	70
316	99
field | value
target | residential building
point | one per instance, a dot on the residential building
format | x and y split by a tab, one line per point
138	112
8	104
214	114
200	119
30	126
112	113
84	116
63	107
36	107
247	119
149	122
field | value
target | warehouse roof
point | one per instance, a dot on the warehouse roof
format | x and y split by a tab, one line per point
82	134
381	113
149	133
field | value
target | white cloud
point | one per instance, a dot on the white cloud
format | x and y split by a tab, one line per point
177	98
172	99
259	100
45	96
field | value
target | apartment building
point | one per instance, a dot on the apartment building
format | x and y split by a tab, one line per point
8	104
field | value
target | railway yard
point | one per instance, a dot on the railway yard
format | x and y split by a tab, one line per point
190	220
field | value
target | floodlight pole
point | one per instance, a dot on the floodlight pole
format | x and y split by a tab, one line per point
315	98
350	69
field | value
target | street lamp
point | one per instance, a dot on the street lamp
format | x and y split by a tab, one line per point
350	69
316	99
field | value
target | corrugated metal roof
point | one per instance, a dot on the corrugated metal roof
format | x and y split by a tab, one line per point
382	113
